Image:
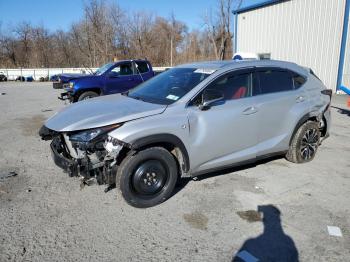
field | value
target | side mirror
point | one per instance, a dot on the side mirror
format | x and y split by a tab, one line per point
209	97
113	74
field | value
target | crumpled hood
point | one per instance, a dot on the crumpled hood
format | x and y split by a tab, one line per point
68	77
101	111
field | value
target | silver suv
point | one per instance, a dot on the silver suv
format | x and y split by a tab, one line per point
190	120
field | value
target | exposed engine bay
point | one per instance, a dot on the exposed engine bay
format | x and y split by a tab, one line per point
89	154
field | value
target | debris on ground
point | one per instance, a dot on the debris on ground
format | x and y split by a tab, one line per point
87	182
46	110
7	175
334	231
250	215
196	220
110	187
3	94
3	191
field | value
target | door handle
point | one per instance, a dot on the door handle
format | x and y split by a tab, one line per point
250	110
300	99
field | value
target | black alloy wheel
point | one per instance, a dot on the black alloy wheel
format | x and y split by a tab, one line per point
305	142
309	144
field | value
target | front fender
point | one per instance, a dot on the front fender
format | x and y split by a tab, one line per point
82	85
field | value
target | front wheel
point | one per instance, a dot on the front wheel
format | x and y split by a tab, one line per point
87	95
305	142
148	178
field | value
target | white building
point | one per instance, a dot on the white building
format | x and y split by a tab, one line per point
312	33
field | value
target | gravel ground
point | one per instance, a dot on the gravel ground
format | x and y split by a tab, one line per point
46	216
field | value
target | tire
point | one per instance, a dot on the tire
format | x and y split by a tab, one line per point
305	142
147	178
87	95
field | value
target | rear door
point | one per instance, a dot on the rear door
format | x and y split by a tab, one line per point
143	71
120	78
280	105
225	133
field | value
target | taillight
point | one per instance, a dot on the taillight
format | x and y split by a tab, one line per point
327	92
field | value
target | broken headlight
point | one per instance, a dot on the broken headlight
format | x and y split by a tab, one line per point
91	134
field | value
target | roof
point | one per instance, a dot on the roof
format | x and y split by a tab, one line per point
216	65
208	64
257	6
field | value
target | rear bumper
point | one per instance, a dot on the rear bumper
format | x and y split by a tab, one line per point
328	118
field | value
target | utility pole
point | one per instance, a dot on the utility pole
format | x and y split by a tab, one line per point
171	51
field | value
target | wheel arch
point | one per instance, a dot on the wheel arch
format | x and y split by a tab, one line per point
97	90
168	141
303	120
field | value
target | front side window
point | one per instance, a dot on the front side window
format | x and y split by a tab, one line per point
232	85
272	81
169	86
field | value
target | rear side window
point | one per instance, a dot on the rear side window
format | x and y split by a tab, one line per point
141	67
272	81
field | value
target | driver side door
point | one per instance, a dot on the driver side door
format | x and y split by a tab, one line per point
120	78
226	133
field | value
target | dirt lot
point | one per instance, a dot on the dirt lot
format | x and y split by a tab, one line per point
46	216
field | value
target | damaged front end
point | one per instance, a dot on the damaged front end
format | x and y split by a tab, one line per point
89	154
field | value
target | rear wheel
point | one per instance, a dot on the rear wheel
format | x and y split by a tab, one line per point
148	178
87	95
305	142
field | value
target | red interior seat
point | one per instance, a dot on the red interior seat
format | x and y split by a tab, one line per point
241	92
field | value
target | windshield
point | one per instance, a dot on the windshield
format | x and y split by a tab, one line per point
169	86
103	69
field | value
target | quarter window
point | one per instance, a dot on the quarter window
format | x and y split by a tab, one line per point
298	80
272	81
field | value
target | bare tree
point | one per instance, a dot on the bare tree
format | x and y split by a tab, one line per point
218	28
23	31
107	32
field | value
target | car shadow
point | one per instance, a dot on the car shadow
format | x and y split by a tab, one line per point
185	180
272	245
342	110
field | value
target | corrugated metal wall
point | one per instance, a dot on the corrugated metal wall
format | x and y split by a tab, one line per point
307	32
346	70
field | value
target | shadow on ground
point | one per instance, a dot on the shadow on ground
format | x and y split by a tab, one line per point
342	110
272	245
184	181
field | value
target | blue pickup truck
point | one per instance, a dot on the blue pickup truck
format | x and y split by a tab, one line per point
116	77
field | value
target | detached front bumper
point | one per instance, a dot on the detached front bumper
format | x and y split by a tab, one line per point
57	152
66	96
103	170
